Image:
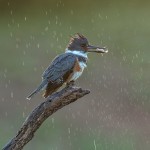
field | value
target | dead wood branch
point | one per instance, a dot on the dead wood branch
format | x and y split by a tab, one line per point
53	103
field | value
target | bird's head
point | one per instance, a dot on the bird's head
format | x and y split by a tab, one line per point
80	43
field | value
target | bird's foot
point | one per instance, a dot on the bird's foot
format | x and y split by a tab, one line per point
70	84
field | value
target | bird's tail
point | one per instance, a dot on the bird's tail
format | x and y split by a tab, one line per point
40	87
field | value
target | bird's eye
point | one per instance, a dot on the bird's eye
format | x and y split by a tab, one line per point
83	45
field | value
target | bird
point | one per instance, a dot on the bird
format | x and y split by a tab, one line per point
66	68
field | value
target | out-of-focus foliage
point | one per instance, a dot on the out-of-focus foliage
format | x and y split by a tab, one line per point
115	116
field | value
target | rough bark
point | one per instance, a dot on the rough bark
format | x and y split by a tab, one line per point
35	119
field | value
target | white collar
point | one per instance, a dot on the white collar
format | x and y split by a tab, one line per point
77	52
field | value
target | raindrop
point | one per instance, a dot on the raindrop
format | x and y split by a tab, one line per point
13	21
23	114
52	120
32	37
6	85
11	34
46	28
124	58
11	94
38	45
136	55
4	75
35	69
6	114
27	46
24	52
71	12
23	63
69	130
95	148
17	46
99	15
59	23
3	99
47	51
73	116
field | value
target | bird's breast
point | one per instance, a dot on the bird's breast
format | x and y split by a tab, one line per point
82	65
78	70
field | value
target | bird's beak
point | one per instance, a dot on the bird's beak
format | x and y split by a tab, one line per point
97	49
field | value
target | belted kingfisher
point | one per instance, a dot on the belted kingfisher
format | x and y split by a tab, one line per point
67	67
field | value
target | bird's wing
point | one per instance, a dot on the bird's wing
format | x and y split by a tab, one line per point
59	67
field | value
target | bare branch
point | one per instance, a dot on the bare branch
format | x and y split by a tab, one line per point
53	103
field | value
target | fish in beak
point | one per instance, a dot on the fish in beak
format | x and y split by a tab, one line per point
97	49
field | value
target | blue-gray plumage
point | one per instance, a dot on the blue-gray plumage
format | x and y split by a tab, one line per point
66	67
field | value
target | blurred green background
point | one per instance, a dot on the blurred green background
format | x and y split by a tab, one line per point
116	114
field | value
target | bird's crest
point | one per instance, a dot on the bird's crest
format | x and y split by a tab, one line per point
77	36
76	41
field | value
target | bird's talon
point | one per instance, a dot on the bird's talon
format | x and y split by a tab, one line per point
71	83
